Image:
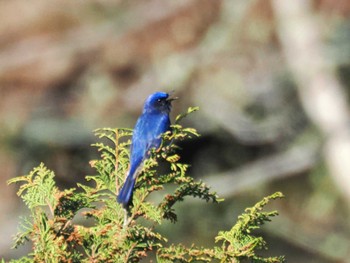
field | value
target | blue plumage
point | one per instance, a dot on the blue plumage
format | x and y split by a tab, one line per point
149	127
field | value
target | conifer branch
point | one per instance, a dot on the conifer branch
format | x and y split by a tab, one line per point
103	235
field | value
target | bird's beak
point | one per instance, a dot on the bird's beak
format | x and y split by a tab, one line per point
171	98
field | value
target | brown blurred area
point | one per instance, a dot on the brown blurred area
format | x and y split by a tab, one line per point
271	78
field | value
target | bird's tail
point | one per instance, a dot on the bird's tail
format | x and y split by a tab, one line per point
125	194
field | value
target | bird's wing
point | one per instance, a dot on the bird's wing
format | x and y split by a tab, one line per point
139	144
146	135
158	128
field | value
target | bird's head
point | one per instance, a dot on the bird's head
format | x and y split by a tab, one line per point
158	102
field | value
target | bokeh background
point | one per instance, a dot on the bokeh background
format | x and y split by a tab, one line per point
271	78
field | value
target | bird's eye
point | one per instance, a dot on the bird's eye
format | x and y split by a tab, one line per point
159	100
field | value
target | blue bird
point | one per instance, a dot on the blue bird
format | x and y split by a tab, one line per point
152	123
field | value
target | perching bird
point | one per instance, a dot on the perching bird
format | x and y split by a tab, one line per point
149	127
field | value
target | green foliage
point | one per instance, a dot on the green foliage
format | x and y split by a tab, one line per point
239	243
86	224
236	245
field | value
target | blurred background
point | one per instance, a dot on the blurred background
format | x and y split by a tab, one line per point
271	78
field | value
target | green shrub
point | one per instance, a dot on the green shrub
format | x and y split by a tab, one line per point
105	232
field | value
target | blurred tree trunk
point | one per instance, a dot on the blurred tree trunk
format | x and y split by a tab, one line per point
320	92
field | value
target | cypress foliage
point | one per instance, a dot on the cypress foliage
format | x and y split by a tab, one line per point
114	236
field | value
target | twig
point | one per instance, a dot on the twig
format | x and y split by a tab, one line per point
50	207
116	161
